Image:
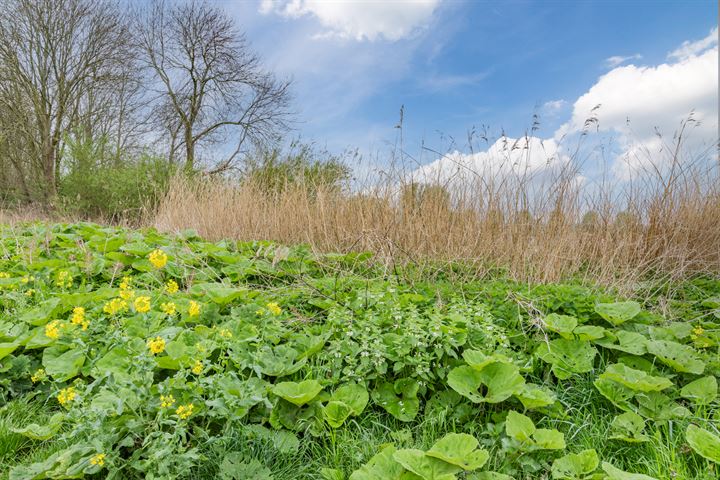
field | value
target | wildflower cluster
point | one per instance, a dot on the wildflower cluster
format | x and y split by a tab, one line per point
98	459
115	306
274	308
126	291
142	304
66	395
78	318
171	287
63	279
168	308
167	401
52	329
158	258
194	308
184	411
38	376
156	345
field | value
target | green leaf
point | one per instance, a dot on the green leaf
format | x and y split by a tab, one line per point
617	474
501	379
701	391
7	348
547	439
628	342
535	396
297	393
62	365
332	474
335	413
562	324
617	313
236	467
635	379
589	332
628	427
380	467
217	293
459	449
705	443
42	432
680	357
489	476
426	467
575	465
353	395
399	399
518	426
567	356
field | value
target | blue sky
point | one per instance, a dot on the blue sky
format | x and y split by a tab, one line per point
458	64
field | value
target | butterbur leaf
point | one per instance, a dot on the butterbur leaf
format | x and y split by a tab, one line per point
297	393
618	394
628	342
335	413
660	407
547	439
567	356
459	449
236	467
380	467
589	332
404	407
561	324
60	365
501	379
535	396
705	443
353	395
617	474
332	474
575	465
680	357
426	467
619	312
701	391
42	432
518	426
628	427
635	379
489	476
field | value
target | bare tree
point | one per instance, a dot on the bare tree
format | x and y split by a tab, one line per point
212	88
57	57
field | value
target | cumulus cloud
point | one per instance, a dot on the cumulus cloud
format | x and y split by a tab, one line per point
525	157
617	60
359	19
689	49
640	102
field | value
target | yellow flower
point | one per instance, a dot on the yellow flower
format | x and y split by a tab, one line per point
30	292
4	275
98	460
127	294
184	411
194	308
158	258
225	333
63	279
167	401
114	306
38	376
126	283
197	367
78	316
142	304
171	286
698	330
52	330
274	308
156	345
27	279
169	308
260	311
66	396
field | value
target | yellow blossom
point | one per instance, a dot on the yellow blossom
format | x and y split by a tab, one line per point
126	283
66	396
167	401
114	306
27	279
171	286
38	376
698	330
30	292
184	411
225	333
142	304
197	367
78	316
98	460
156	345
274	308
52	330
158	258
127	294
63	279
260	311
168	308
194	308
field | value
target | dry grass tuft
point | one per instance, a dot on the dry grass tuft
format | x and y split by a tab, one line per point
666	222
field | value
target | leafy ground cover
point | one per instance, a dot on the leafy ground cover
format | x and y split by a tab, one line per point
128	354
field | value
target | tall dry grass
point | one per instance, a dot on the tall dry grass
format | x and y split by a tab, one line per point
536	227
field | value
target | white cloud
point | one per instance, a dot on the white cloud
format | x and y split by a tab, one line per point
552	107
638	103
617	60
689	49
359	19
